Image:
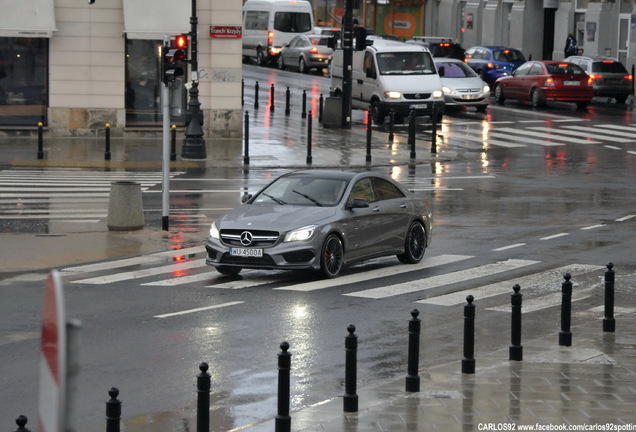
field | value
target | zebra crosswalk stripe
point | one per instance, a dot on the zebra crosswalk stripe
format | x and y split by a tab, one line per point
582	133
442	280
536	279
549	136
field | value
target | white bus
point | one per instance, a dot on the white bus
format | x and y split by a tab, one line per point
269	24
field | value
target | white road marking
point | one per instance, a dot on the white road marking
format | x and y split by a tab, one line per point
554	236
442	280
539	303
525	132
185	312
512	246
623	219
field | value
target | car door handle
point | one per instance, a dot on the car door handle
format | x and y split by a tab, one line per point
375	209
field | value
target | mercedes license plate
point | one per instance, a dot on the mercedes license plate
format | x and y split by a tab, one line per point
418	106
246	252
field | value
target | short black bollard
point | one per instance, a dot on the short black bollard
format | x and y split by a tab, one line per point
309	136
246	137
271	98
21	421
173	143
113	411
412	377
320	105
242	92
369	132
283	419
256	95
203	398
40	141
351	370
287	97
434	129
304	112
412	133
633	74
468	362
565	335
609	324
515	350
107	138
391	125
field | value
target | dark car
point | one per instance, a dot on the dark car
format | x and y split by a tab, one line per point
543	81
306	52
440	46
609	76
321	220
492	62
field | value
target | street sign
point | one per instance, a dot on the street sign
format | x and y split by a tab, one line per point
226	31
52	390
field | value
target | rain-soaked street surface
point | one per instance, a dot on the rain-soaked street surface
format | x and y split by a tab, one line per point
519	196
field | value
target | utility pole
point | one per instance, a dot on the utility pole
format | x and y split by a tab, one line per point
193	143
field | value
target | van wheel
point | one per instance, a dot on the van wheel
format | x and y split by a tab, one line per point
376	114
302	66
260	57
281	63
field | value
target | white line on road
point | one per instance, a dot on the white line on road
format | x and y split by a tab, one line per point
442	280
512	246
623	219
593	227
539	303
185	312
554	236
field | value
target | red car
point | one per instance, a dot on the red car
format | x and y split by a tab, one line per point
542	81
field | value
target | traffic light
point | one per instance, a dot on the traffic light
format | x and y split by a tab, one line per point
172	55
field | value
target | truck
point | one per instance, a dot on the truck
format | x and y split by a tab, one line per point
391	76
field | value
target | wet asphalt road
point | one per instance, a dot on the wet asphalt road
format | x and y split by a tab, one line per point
555	205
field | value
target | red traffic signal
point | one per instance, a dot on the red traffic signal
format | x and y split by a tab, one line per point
181	41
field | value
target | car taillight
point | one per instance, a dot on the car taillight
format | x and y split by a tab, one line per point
593	77
549	82
628	77
270	39
313	50
490	65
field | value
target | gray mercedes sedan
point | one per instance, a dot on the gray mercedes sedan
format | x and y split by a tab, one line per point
321	220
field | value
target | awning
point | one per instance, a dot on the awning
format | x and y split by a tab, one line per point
152	19
27	18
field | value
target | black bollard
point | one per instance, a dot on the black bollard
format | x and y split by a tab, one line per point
271	98
246	137
434	130
412	377
287	97
309	134
304	112
40	141
633	74
107	138
351	372
468	362
412	133
515	350
173	143
320	104
565	335
203	398
369	131
283	419
256	95
21	421
242	92
391	125
113	411
609	324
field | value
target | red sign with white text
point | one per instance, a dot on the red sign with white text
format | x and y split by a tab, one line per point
226	31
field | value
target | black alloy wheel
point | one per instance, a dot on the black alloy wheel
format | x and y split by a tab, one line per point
332	257
414	244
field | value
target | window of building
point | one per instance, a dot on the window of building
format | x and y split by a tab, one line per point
23	80
143	91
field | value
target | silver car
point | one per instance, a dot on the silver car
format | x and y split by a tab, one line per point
321	220
609	76
461	85
306	52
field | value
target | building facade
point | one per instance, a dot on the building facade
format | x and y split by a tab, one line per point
76	66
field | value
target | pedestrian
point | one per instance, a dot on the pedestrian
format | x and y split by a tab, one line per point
571	47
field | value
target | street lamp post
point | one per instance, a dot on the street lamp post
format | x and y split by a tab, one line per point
193	143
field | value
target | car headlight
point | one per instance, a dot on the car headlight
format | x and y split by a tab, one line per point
214	231
448	90
392	95
437	94
486	88
301	234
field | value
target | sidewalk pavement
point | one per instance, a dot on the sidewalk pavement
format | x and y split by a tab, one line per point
591	385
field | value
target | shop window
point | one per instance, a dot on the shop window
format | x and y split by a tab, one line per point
23	81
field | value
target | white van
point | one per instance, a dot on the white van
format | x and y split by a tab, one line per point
269	24
391	76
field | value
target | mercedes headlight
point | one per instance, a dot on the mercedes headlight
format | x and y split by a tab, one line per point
301	234
437	94
214	231
392	95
